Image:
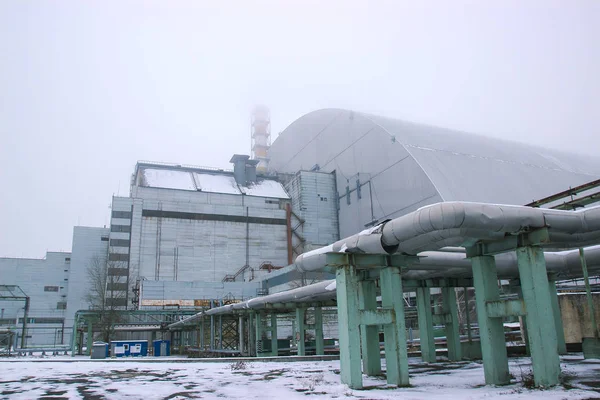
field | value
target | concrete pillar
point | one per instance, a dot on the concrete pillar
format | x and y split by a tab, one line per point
371	357
301	331
90	337
274	344
241	334
201	345
259	334
212	329
541	329
449	308
349	332
560	332
491	330
319	340
251	335
425	318
396	353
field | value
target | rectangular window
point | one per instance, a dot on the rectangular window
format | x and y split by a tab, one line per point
121	214
119	242
68	260
61	305
118	272
50	288
7	321
104	238
116	286
120	228
118	257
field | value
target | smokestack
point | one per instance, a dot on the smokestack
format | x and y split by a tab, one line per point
251	170
239	168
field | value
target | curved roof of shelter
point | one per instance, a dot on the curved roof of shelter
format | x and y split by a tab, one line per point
461	166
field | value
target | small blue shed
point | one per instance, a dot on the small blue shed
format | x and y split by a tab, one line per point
129	348
162	348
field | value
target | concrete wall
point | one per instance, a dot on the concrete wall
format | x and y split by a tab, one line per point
46	282
576	315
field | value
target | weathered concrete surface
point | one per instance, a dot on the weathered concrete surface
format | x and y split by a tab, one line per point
576	315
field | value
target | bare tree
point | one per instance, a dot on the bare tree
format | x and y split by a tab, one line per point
106	293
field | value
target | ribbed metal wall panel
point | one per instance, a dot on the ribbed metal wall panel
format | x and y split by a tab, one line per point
314	199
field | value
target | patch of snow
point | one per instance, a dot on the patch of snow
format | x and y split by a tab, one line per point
168	179
215	183
266	188
320	250
174	378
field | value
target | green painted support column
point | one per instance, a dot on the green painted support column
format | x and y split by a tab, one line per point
588	295
259	334
90	337
349	331
274	344
523	323
491	330
319	340
241	335
449	307
301	331
425	324
541	329
371	356
467	313
396	353
75	336
560	332
251	335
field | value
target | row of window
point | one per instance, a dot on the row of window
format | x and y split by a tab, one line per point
118	257
119	242
120	228
42	320
121	214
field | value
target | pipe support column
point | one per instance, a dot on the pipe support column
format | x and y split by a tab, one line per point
451	328
348	319
319	340
558	323
301	331
371	357
396	352
425	319
541	328
491	330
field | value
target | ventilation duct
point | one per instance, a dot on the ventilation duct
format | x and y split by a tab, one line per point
239	168
251	171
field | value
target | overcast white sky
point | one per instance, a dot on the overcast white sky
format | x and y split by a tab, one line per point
87	88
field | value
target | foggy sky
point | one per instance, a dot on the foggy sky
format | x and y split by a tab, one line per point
88	88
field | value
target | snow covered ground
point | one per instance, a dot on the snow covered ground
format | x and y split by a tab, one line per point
59	378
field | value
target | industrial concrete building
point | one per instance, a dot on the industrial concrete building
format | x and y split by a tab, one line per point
46	283
195	237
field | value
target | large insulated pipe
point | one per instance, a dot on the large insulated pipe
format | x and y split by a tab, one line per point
462	224
432	264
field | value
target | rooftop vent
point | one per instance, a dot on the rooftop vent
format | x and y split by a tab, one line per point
239	168
244	169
